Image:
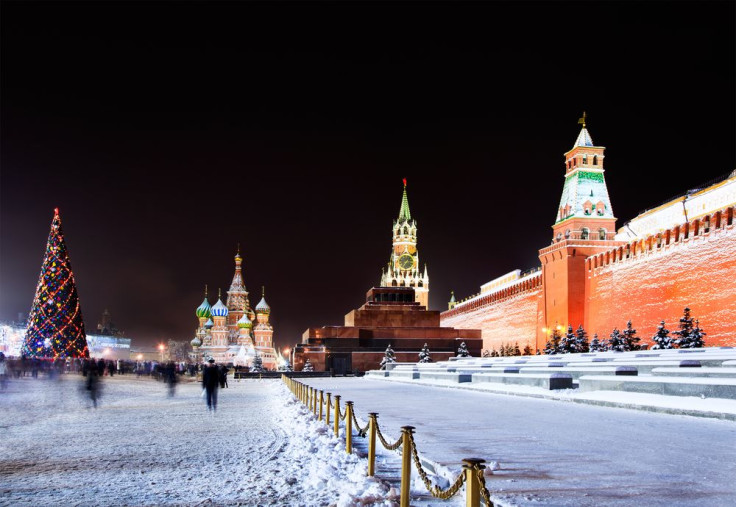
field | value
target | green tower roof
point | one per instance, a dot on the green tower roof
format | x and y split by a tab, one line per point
404	213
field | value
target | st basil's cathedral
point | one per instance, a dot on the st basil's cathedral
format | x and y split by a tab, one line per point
226	331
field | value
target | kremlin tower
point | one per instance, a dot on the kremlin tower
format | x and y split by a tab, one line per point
403	266
226	332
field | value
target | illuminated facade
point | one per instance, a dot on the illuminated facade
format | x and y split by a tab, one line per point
226	332
676	255
403	266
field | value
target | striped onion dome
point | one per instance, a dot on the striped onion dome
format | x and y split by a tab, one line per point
219	310
262	306
244	322
204	311
196	342
209	324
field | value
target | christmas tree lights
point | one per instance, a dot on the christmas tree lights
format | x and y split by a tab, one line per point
55	326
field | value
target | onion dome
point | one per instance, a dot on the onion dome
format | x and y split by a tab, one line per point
196	342
209	324
219	310
262	306
203	311
245	322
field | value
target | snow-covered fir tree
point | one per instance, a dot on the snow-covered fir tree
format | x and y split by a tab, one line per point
631	341
308	366
596	345
494	353
527	350
616	341
388	357
581	340
662	340
553	344
568	342
517	350
462	351
486	353
424	355
687	337
257	366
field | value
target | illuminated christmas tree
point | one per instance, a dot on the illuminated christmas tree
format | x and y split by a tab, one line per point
55	326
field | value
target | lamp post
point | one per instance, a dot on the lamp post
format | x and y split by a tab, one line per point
161	347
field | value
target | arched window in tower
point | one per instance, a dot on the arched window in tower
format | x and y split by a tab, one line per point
567	234
601	233
406	230
600	208
585	159
587	206
585	233
559	236
595	159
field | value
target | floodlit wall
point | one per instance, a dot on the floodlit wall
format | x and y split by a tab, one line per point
656	278
507	317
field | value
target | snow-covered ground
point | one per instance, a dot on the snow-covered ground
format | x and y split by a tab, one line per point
140	447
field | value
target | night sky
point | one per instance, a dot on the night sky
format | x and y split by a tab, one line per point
167	133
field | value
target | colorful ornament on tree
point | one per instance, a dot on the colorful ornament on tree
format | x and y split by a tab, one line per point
55	325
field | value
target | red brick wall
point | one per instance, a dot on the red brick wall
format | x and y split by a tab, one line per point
699	273
510	320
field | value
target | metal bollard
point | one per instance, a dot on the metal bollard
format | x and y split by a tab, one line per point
337	414
321	403
314	402
406	432
372	421
327	412
348	427
472	484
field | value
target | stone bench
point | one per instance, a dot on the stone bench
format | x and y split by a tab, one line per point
696	372
547	381
457	377
668	386
578	372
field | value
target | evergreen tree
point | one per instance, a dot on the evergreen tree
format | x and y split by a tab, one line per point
55	325
581	340
494	353
616	341
424	355
257	366
486	353
388	357
662	339
631	341
527	350
568	342
502	350
463	350
553	344
307	366
596	345
688	338
517	350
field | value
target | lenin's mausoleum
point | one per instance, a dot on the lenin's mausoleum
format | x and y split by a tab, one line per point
680	254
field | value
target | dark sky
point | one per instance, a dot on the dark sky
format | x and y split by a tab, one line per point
167	133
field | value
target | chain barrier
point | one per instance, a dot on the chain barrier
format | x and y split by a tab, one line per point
384	443
483	490
434	490
361	431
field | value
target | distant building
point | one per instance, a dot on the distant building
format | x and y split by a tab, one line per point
226	332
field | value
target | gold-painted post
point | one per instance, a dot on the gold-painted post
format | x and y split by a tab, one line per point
372	422
327	412
406	432
321	403
348	427
473	467
337	414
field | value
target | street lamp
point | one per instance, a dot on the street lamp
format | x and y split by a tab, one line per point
161	347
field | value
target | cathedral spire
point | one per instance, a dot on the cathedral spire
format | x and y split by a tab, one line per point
404	213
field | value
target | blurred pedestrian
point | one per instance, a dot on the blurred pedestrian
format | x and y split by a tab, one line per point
170	377
3	372
223	376
210	383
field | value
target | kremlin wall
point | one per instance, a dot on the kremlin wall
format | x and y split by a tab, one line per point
680	254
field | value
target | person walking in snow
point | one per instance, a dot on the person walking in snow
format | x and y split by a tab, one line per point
210	383
223	376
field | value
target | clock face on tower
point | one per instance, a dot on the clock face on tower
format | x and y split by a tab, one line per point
406	261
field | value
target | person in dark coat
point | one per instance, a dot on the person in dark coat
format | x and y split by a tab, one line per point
223	376
210	383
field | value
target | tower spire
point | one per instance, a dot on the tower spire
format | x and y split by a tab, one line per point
404	213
